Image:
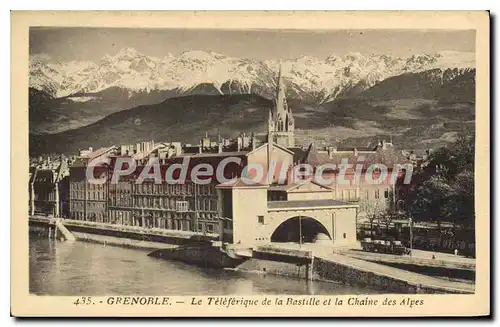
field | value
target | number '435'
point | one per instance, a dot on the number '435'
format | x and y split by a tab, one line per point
83	300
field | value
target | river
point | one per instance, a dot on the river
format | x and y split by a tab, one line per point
80	268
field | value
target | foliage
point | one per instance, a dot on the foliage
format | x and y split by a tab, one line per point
443	190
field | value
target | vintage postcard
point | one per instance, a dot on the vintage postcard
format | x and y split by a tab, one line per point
315	164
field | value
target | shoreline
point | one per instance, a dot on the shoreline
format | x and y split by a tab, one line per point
206	253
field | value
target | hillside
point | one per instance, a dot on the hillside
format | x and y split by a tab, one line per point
450	85
53	115
411	123
183	119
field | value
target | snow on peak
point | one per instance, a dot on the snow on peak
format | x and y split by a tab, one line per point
127	52
201	55
304	75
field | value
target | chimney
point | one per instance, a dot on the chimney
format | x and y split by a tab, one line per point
239	141
331	151
384	145
220	148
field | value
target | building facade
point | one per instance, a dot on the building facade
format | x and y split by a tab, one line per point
88	201
48	188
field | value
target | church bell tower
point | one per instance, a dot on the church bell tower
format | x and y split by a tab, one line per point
281	124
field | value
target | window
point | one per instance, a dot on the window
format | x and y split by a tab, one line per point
210	227
200	227
181	206
386	193
260	219
377	194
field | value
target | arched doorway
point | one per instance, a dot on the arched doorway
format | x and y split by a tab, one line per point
295	228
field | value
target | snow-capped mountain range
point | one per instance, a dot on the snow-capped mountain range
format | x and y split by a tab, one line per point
306	76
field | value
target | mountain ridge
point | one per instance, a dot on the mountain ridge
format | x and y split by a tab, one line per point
422	107
129	69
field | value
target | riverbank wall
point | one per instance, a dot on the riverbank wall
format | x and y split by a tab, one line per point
329	270
204	251
188	247
201	255
261	266
125	236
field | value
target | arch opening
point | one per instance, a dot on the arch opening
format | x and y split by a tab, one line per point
293	229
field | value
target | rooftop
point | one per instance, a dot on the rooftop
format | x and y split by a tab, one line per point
218	154
307	204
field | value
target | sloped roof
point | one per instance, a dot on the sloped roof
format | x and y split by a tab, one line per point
274	145
293	186
45	176
238	183
299	154
99	152
307	204
389	157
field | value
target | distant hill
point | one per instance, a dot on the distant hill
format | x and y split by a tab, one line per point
455	85
183	119
52	115
411	123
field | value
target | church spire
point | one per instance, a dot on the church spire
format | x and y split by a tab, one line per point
281	106
280	121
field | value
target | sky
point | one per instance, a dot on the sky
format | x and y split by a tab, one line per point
64	44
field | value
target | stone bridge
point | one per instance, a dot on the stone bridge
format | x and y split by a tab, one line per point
325	221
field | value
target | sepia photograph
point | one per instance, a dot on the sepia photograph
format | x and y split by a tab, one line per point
253	166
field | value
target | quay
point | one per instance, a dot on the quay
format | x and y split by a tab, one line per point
109	234
308	261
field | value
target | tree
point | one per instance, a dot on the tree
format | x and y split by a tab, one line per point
444	189
462	198
430	200
372	211
387	216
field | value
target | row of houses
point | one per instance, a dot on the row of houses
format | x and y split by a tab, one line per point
61	189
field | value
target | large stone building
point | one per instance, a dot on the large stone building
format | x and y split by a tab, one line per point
186	206
88	201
